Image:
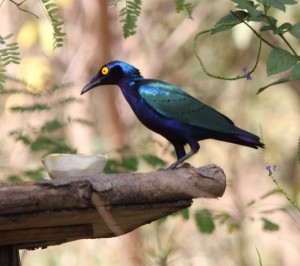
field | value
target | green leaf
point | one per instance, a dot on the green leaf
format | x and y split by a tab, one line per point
295	30
271	23
233	226
4	51
185	214
277	4
230	18
37	174
249	6
113	2
7	36
153	160
42	143
280	4
31	108
264	2
66	101
268	27
15	53
82	121
269	193
52	125
279	81
130	163
13	48
280	60
119	166
285	27
273	210
295	72
52	10
129	16
20	137
49	6
226	218
13	44
288	2
181	5
14	179
204	221
250	203
270	226
110	166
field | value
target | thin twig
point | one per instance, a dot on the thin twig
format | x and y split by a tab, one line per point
259	257
280	34
288	44
18	5
202	64
253	30
274	179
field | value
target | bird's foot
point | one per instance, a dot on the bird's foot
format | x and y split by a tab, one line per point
178	165
184	165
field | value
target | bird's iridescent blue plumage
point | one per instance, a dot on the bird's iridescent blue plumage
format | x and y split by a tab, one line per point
170	111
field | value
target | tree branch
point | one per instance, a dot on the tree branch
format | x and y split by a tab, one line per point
18	5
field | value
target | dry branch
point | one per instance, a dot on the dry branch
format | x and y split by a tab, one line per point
39	214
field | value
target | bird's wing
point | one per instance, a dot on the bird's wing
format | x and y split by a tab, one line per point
172	102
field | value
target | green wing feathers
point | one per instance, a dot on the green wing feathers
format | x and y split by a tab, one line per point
172	102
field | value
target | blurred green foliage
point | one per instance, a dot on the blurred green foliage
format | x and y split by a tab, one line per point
9	54
49	137
52	10
130	13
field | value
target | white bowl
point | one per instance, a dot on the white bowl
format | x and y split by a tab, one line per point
73	165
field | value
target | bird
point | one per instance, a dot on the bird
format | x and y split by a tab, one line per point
170	111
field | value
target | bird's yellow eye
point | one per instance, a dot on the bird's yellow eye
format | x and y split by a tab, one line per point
104	70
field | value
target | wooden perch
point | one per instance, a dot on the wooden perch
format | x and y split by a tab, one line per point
39	214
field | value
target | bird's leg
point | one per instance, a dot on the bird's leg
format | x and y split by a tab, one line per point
194	149
180	151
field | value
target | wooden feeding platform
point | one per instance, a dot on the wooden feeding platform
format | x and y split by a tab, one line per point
40	214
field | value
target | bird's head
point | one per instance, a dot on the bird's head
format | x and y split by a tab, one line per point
113	73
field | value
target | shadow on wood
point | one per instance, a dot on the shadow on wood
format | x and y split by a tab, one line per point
39	214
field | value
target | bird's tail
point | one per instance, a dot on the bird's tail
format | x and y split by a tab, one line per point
241	137
251	141
248	139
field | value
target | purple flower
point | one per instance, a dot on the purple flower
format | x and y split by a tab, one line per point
248	77
245	69
269	168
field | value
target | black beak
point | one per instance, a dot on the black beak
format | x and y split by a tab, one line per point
96	81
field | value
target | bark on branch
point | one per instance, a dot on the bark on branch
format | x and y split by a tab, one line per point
39	214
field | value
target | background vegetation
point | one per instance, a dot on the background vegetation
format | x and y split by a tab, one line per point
57	46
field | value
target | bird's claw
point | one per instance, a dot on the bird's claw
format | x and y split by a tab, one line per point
177	166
